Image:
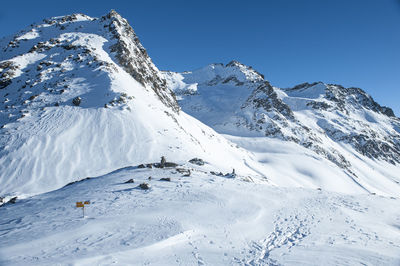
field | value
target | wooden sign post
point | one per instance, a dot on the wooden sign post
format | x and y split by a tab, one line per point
81	204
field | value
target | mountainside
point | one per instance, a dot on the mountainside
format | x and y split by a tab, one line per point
80	97
344	125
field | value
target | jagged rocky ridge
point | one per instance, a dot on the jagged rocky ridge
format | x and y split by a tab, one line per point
134	58
315	115
51	75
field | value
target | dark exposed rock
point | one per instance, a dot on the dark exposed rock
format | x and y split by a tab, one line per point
375	148
162	164
319	105
7	71
196	161
144	186
181	170
13	200
4	83
165	179
141	166
71	183
170	164
132	56
76	101
265	97
5	64
68	46
32	97
230	175
129	181
234	80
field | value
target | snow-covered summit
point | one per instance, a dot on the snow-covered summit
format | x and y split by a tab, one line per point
234	72
214	89
81	39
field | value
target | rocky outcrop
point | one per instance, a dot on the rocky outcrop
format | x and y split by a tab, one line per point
133	57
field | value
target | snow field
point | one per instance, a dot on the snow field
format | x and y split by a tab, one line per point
196	220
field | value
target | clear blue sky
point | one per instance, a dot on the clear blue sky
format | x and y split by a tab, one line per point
349	42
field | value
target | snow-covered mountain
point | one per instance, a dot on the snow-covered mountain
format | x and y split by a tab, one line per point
80	97
301	176
344	125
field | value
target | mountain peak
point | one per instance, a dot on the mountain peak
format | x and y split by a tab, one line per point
80	32
235	63
232	73
113	14
244	68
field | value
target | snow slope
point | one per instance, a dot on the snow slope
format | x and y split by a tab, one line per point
126	115
202	219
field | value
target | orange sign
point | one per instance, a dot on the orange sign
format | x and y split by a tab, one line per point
80	204
87	202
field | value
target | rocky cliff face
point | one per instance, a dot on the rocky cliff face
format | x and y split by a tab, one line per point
133	57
